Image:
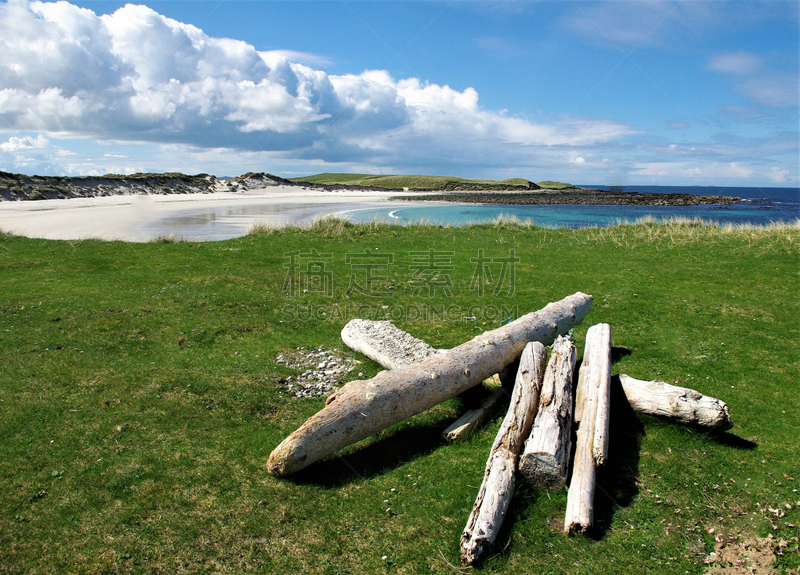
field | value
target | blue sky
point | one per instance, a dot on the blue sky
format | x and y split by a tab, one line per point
664	93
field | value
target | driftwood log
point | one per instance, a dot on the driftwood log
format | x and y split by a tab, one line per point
600	365
391	347
545	458
677	403
593	381
499	479
463	427
362	408
385	343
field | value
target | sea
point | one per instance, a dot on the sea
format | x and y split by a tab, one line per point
760	206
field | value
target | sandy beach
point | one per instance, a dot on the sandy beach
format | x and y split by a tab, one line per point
210	216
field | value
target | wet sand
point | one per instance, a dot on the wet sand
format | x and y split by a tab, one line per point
198	217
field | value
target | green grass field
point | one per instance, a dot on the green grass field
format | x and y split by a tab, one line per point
141	395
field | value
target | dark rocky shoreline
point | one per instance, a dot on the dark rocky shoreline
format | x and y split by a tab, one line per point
575	196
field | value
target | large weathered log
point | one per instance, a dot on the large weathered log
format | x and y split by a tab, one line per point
500	477
593	372
362	408
392	347
546	455
678	403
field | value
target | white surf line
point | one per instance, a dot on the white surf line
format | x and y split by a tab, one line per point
346	213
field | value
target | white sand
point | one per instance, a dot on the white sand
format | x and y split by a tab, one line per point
138	218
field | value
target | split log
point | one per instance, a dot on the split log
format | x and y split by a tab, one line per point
362	408
546	456
677	403
463	427
499	479
594	372
385	343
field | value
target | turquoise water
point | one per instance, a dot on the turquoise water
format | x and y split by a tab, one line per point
223	222
764	205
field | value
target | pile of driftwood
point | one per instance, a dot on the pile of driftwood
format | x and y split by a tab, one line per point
535	438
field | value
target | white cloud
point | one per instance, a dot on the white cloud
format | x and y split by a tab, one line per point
712	171
744	114
138	76
15	143
778	175
776	91
305	58
33	153
757	82
735	63
668	24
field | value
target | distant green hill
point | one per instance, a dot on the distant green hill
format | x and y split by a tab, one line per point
418	182
550	185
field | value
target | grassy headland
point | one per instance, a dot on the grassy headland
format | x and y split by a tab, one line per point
397	182
141	395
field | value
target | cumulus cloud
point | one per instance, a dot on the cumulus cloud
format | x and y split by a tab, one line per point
33	153
778	175
136	75
15	143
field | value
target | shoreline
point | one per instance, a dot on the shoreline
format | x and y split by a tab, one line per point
142	213
134	217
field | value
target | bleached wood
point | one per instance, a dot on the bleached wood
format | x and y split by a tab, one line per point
465	425
580	499
580	389
392	348
385	343
601	374
678	403
499	478
362	408
546	455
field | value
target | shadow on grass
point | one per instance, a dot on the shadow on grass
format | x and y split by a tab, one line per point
388	449
730	440
617	481
392	448
618	352
525	497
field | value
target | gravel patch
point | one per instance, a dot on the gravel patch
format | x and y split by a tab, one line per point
322	371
